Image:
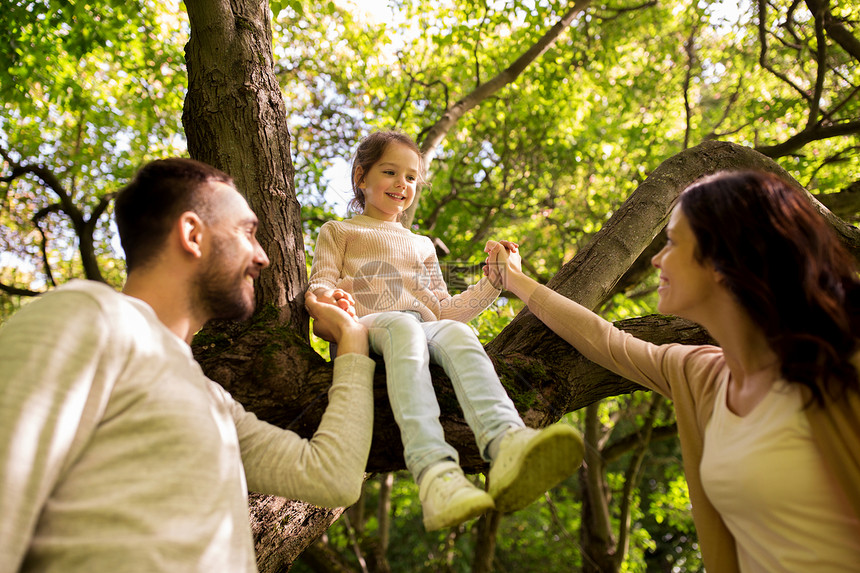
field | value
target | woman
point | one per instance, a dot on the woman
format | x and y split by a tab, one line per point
769	420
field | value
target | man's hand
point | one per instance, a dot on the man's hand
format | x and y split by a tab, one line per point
335	324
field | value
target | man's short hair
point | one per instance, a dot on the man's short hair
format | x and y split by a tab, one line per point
159	193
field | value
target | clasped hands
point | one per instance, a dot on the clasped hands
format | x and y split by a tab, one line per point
334	317
502	257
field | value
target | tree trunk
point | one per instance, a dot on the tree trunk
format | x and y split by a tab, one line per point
485	545
235	119
595	532
383	517
272	516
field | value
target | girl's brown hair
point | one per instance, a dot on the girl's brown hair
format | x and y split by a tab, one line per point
369	151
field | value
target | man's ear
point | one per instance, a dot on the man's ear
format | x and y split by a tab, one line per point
359	177
190	228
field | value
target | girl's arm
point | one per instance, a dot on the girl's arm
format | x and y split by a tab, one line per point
327	264
464	306
326	272
478	297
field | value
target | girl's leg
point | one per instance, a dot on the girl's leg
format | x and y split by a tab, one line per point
399	338
486	406
523	462
447	497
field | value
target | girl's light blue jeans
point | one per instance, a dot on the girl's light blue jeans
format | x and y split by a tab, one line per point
408	345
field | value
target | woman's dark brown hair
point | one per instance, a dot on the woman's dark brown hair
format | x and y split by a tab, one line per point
786	266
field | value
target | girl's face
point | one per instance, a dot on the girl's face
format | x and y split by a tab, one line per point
686	286
389	184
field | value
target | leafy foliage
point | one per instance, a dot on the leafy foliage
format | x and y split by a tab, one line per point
92	89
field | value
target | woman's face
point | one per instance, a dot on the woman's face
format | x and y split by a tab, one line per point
686	285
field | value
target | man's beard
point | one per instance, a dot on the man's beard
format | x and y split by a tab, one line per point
219	289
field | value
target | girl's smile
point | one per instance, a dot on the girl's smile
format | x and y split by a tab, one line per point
389	185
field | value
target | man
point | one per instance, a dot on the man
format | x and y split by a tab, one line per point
116	452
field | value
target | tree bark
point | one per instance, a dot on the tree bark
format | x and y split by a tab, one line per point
383	517
596	538
485	544
235	119
272	518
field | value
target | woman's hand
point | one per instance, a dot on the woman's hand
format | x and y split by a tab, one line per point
502	258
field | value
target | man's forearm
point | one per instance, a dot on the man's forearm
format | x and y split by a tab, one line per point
353	340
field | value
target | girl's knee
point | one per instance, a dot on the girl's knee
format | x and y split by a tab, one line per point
398	323
397	330
453	331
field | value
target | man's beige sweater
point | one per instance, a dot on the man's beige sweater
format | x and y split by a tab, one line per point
118	454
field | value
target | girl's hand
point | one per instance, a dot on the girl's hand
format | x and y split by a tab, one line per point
338	297
500	254
331	321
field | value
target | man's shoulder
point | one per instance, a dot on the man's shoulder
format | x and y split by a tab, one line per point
98	293
79	299
95	289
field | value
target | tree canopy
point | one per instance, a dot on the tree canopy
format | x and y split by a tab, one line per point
567	126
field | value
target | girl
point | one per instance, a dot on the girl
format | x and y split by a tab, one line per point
769	421
390	278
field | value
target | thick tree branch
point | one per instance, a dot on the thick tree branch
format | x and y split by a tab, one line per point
599	523
8	289
835	29
821	74
84	227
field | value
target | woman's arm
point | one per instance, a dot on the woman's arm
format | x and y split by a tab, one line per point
597	339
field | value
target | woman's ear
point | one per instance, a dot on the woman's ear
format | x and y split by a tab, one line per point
719	277
190	228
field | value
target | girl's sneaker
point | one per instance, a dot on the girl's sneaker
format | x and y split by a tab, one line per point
448	498
530	462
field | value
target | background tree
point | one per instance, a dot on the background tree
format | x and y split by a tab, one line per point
642	97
